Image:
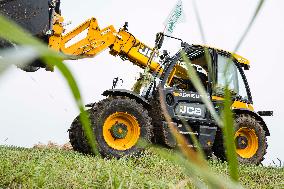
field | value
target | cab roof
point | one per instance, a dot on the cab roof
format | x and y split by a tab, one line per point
199	49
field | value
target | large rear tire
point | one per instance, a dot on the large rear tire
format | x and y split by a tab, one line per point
120	125
250	140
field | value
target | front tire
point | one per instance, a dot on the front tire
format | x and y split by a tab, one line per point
250	140
120	125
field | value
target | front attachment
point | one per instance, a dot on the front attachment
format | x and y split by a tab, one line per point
32	15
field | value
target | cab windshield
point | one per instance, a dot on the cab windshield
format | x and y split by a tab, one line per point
232	76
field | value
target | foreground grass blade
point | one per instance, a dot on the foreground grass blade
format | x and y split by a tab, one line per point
84	117
194	140
16	34
201	30
21	56
226	124
183	144
228	131
194	163
256	12
199	87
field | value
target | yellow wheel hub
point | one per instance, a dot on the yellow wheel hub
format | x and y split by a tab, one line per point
121	131
246	142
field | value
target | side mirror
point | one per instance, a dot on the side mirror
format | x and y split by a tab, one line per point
159	40
265	113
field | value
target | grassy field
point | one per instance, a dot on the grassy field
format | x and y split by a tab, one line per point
50	168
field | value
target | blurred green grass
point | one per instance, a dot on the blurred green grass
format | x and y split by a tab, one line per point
50	168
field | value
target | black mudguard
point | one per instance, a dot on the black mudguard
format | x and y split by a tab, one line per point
254	114
127	93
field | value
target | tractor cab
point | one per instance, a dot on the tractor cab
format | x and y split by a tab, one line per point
184	103
225	69
230	71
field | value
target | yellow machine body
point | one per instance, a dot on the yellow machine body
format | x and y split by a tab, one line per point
121	43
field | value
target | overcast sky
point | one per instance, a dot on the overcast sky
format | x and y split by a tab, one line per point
38	107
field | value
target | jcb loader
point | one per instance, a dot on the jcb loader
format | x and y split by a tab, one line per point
125	117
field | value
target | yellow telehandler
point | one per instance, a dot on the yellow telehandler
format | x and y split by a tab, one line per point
125	117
